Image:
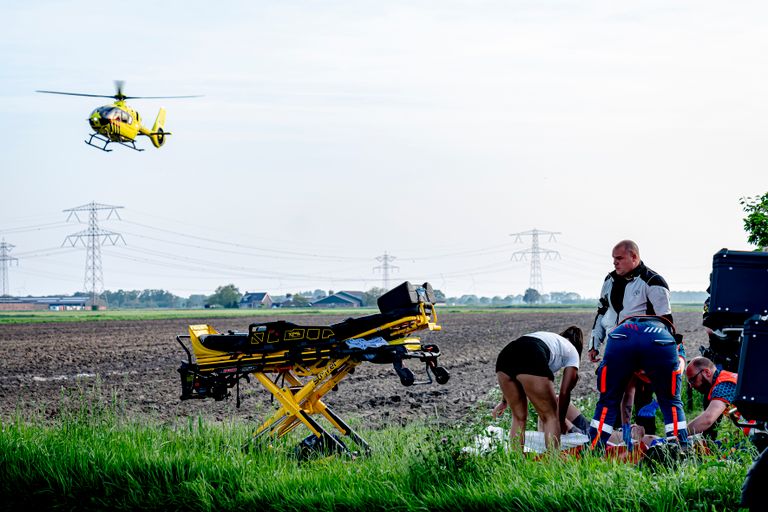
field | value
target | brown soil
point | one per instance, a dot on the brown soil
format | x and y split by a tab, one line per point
135	362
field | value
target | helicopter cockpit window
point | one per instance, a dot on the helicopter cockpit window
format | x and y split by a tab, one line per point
125	117
108	112
101	111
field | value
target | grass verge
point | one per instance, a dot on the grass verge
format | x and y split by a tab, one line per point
94	458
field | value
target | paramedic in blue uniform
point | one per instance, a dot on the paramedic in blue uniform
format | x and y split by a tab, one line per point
634	320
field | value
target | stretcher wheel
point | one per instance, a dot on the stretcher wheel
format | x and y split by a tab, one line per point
441	374
327	444
406	376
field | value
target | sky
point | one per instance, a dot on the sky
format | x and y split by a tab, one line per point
330	133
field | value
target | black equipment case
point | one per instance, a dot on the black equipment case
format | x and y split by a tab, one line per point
406	296
752	387
738	288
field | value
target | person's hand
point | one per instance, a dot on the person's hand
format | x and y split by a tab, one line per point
499	409
648	411
593	355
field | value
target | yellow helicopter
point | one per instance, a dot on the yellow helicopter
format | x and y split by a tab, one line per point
120	123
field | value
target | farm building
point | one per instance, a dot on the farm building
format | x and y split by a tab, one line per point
42	303
343	299
256	300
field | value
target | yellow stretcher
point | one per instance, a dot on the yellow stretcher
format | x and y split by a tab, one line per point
308	361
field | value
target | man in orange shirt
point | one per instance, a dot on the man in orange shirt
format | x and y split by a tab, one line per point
719	386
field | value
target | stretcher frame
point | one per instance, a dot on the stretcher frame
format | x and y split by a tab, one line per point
308	374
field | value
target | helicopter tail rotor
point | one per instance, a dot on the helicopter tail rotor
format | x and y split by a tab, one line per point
158	133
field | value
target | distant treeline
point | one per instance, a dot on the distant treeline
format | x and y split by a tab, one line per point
129	299
150	299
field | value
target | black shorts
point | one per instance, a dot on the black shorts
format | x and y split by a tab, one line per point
526	355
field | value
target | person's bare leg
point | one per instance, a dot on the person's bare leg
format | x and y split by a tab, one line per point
573	412
628	400
540	392
518	405
540	424
575	419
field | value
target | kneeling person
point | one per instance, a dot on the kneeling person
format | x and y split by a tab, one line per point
639	343
525	370
719	386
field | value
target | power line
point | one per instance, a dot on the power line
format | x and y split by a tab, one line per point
36	227
47	275
196	257
93	238
243	246
536	281
469	252
42	253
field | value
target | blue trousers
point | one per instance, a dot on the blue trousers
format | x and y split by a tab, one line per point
639	343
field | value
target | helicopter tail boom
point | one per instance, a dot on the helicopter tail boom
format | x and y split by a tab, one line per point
158	134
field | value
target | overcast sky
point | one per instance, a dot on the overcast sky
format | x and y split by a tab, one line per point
332	132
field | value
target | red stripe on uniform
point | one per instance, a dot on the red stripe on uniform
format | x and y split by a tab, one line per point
674	421
679	371
602	379
600	427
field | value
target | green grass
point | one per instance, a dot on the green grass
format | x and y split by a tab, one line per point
553	308
23	317
93	457
580	307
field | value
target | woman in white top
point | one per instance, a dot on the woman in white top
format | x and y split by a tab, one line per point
525	369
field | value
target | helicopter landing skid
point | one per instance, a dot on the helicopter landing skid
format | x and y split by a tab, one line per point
107	142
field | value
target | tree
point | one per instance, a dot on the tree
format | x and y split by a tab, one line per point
226	296
531	296
300	301
158	299
196	301
756	221
141	299
371	296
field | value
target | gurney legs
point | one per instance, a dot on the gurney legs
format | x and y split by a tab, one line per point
342	426
298	407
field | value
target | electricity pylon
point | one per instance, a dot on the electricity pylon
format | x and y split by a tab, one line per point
5	260
536	282
385	267
92	239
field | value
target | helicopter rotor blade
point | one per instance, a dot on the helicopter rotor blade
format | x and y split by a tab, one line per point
160	97
77	94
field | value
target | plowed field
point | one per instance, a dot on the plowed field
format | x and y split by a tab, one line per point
135	362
